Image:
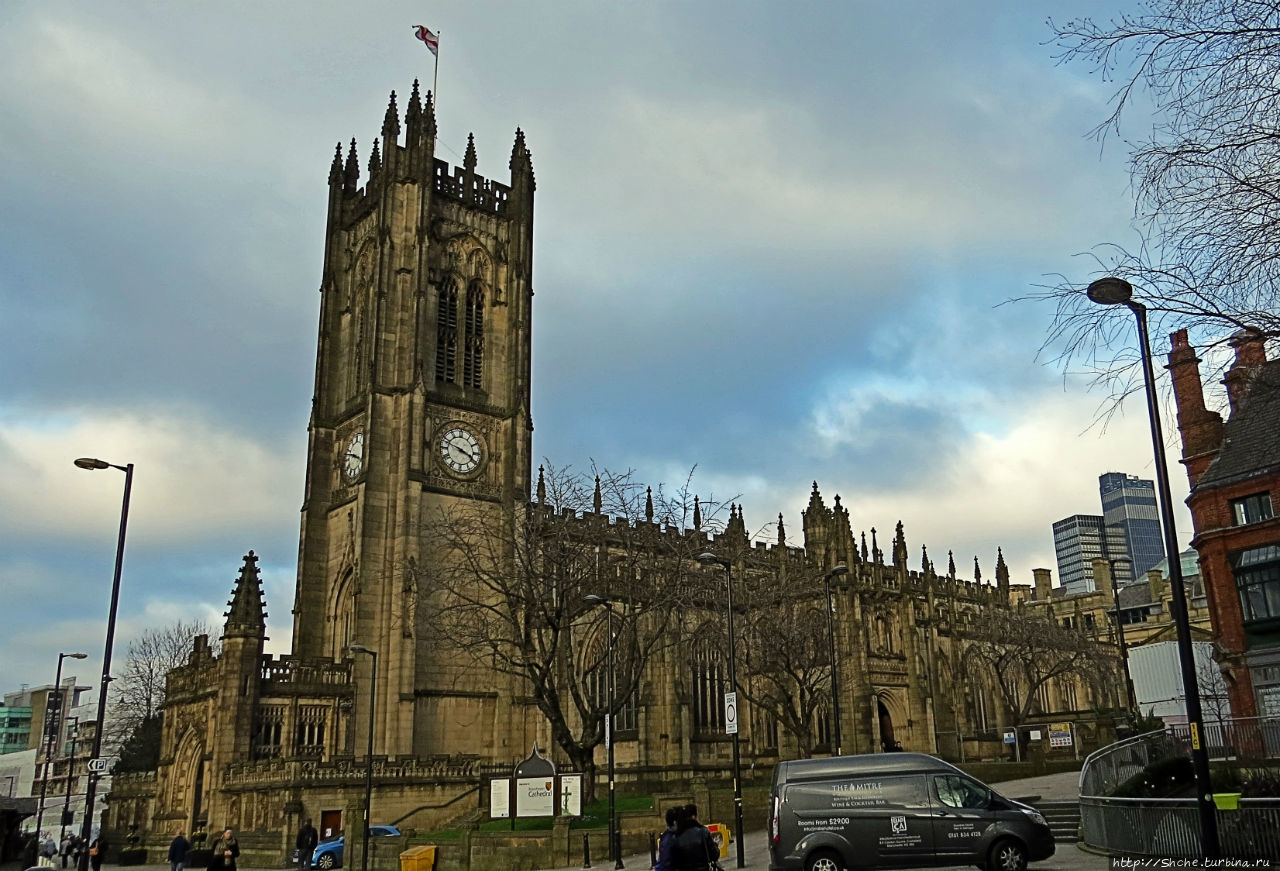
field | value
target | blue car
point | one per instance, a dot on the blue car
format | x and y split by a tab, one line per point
328	855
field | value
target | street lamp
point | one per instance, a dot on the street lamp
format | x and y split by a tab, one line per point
86	832
71	769
838	570
368	759
52	724
615	849
1117	291
711	559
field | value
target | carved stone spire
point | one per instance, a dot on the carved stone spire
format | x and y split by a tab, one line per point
782	532
375	159
648	504
335	168
977	570
351	175
542	487
924	559
597	503
951	565
391	123
247	615
697	514
469	159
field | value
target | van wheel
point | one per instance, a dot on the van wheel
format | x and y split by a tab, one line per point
1008	855
823	860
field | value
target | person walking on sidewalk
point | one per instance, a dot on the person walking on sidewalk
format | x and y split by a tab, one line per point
694	848
225	851
306	844
178	849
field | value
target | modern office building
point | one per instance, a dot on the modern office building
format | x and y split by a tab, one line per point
1129	502
1080	539
15	728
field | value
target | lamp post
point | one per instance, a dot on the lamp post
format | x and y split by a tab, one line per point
1117	291
71	768
52	725
86	832
1124	649
709	559
835	572
615	849
368	759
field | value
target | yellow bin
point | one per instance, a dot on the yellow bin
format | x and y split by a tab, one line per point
1227	801
419	858
721	835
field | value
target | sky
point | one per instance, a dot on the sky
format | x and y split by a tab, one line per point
772	242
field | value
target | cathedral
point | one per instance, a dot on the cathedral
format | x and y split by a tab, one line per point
421	409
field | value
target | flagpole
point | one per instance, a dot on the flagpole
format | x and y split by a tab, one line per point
435	75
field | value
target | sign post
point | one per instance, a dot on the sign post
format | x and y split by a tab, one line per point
731	713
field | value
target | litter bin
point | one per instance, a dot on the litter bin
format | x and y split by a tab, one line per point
1227	801
419	858
721	835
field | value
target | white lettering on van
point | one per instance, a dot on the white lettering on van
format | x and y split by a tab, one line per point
857	787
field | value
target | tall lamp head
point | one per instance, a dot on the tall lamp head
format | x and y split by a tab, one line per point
1110	291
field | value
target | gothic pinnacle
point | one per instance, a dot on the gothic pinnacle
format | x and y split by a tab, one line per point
597	503
977	570
335	168
782	532
648	504
951	565
542	487
414	112
469	159
375	159
351	175
391	122
429	110
924	558
697	514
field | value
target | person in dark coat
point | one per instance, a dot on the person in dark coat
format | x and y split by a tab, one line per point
306	844
97	852
225	851
694	848
178	849
668	840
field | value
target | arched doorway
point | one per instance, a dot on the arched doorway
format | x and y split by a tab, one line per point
888	743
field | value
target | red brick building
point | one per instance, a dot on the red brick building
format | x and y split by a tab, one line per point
1234	470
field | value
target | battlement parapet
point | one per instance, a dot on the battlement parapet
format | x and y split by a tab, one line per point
287	671
386	770
474	190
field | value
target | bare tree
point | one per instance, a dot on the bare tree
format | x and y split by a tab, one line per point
138	693
1022	653
1206	176
507	590
783	640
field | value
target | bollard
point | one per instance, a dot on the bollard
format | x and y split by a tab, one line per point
586	851
653	850
617	849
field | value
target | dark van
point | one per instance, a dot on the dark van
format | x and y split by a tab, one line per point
896	810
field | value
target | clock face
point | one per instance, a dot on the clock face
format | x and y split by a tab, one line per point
460	450
353	457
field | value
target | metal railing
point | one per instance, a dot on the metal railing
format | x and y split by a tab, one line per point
1170	827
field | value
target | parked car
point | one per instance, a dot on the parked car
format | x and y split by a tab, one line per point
328	854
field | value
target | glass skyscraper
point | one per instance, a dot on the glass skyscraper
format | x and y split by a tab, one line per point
1079	540
1129	502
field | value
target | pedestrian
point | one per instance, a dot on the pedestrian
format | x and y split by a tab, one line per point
178	849
667	840
65	849
77	850
694	849
97	852
306	844
225	851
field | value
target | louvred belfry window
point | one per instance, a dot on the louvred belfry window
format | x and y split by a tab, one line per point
447	333
473	359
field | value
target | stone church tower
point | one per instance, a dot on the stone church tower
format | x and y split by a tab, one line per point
421	400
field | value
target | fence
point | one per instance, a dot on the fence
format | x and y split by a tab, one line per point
1170	827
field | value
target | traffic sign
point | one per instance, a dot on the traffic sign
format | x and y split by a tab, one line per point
97	766
731	713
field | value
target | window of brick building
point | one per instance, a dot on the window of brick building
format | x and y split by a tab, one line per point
1251	509
1257	573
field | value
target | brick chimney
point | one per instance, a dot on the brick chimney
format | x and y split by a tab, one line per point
1251	353
1201	429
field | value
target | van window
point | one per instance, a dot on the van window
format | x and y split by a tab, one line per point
961	792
